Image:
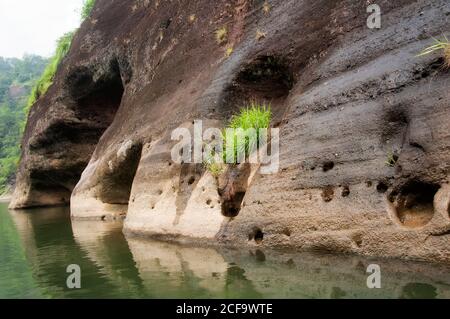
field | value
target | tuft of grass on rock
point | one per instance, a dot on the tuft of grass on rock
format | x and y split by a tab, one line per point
62	48
266	7
222	35
391	159
260	35
439	45
229	51
254	116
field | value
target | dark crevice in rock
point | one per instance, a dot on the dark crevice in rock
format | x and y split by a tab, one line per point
232	189
345	191
382	187
328	166
267	79
257	235
116	185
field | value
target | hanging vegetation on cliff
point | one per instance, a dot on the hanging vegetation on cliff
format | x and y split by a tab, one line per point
62	48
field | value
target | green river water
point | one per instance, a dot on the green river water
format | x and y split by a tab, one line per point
36	247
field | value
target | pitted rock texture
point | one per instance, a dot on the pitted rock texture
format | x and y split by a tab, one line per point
364	124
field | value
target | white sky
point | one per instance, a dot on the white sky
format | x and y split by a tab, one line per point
33	26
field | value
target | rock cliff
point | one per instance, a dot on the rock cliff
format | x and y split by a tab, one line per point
364	124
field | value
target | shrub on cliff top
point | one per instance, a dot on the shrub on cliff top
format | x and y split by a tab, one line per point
438	45
46	79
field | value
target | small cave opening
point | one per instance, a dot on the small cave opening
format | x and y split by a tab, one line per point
257	235
414	203
328	166
382	187
116	183
232	206
267	79
96	101
345	191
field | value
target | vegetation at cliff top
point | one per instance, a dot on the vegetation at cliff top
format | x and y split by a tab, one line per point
62	48
88	5
17	77
46	78
438	45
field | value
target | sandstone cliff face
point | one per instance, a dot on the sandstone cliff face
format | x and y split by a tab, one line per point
346	98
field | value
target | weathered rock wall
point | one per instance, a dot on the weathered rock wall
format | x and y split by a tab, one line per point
347	99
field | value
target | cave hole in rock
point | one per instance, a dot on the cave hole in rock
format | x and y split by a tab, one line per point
267	79
232	189
257	235
382	187
115	186
328	166
345	191
357	239
95	101
414	203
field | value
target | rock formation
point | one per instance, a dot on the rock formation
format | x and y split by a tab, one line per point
364	124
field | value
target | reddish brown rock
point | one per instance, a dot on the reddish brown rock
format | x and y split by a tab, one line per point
347	100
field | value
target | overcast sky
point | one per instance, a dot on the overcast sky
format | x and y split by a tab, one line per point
33	26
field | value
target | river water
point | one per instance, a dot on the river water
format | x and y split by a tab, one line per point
36	247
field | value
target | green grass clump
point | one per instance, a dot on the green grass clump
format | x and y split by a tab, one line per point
254	116
391	159
46	79
88	5
439	45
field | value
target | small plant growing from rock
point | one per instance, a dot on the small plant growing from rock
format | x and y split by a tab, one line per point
266	7
260	35
216	169
392	159
254	116
46	79
222	35
439	45
229	51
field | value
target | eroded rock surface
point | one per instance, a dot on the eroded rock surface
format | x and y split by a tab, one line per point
364	124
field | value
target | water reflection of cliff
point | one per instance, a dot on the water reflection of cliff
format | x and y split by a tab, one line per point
115	266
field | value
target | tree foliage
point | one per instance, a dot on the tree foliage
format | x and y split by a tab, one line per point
17	77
